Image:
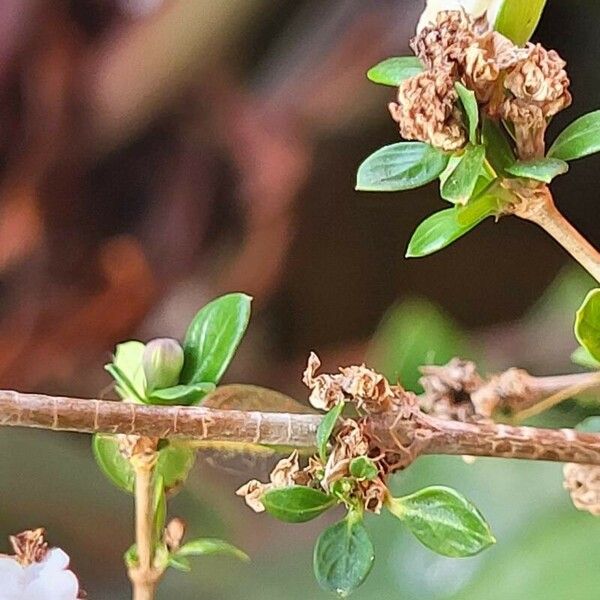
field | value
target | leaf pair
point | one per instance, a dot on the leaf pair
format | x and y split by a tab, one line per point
210	343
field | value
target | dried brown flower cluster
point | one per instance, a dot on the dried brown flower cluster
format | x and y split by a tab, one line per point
524	86
448	390
368	391
360	385
583	483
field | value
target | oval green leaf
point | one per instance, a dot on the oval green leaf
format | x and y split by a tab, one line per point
542	169
580	138
343	557
444	521
207	546
518	19
213	338
297	503
401	166
469	103
326	428
127	371
393	71
181	394
444	227
587	324
460	184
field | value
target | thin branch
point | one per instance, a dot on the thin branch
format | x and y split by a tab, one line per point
415	433
539	208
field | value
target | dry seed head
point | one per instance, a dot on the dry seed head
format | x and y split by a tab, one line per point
583	483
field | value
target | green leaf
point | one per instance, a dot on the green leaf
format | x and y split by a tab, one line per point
343	557
180	563
297	503
469	102
497	147
128	359
542	169
362	467
181	394
444	521
587	324
213	338
112	463
444	227
159	507
460	184
173	465
580	138
207	546
583	358
518	19
326	428
401	166
393	71
589	425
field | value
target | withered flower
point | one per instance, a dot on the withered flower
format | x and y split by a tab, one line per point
583	483
284	474
427	110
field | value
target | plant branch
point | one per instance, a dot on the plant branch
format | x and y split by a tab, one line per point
143	576
538	206
412	433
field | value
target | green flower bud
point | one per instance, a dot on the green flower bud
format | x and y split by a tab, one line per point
162	362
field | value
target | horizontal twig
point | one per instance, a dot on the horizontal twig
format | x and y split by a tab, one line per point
418	433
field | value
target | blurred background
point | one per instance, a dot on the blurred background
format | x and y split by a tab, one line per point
157	153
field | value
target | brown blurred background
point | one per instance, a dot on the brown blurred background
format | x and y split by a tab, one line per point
155	154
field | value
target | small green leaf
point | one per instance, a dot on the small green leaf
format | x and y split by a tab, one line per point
326	428
589	425
131	556
444	521
469	102
579	139
343	557
497	147
297	503
393	71
112	463
362	467
401	166
207	546
542	169
518	19
173	465
213	337
444	227
180	563
583	358
127	370
159	507
460	185
181	394
587	324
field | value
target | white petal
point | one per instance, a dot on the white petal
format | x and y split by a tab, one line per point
56	560
11	579
53	585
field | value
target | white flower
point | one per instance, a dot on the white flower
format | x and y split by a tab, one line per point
475	8
46	580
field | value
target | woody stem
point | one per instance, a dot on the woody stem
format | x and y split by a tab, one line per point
540	209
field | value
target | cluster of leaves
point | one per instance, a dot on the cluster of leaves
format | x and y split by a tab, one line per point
210	343
470	178
439	517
